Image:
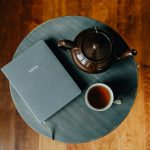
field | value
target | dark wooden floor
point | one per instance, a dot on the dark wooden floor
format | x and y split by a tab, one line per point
131	18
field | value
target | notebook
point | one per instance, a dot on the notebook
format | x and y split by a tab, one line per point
41	81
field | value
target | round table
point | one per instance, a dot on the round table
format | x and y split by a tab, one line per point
76	123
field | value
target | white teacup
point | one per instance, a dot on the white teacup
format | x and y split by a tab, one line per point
100	97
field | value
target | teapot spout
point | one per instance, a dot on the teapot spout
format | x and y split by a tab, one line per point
66	44
130	52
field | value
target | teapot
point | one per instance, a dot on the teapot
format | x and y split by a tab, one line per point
92	50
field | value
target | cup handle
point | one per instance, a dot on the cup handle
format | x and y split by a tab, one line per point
117	101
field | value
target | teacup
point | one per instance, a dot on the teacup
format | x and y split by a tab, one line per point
100	97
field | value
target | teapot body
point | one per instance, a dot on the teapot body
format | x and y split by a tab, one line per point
88	65
92	50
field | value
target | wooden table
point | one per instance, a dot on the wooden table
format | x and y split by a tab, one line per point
130	19
76	123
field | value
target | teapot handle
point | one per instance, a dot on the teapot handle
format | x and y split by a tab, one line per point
66	45
130	52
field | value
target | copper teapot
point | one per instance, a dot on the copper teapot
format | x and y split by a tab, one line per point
92	50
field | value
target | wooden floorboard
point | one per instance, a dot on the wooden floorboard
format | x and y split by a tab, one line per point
146	103
130	18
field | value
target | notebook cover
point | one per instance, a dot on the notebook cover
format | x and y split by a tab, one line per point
41	80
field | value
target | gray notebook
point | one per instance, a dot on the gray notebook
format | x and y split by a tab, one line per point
41	81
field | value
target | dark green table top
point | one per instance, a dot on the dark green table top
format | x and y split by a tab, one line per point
76	123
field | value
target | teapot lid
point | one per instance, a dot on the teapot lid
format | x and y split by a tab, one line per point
96	45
